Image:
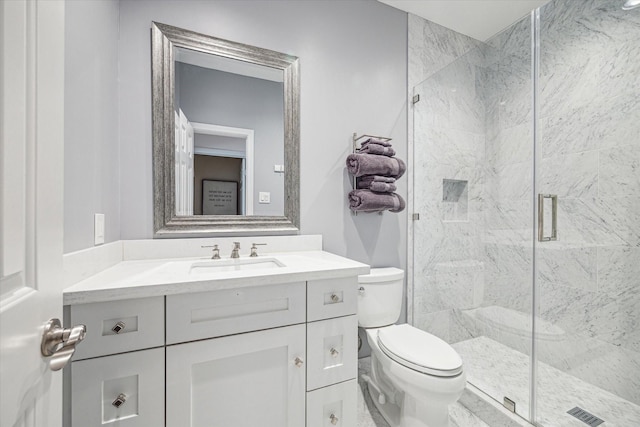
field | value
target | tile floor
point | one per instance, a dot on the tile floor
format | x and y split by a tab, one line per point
506	373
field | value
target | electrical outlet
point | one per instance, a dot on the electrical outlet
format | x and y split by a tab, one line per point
98	229
264	197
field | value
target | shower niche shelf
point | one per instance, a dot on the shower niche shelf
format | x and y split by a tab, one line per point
455	200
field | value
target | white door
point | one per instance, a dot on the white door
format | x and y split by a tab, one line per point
245	380
31	181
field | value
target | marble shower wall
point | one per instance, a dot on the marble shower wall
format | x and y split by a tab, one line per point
588	280
473	274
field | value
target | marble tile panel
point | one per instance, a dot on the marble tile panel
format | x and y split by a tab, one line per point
514	40
618	269
440	242
569	267
610	122
436	323
450	146
511	145
619	171
460	329
459	285
599	222
432	47
512	181
513	292
514	216
629	315
607	366
570	175
508	260
597	71
590	314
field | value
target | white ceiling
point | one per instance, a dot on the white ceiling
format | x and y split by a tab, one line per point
479	19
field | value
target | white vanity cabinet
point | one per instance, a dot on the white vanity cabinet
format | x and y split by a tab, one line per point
271	355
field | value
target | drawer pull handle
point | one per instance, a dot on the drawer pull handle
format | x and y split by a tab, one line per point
334	353
335	298
334	419
119	327
298	362
119	400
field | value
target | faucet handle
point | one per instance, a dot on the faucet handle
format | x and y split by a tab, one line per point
236	245
254	248
216	251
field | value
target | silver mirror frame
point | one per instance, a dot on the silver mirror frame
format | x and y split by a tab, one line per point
165	221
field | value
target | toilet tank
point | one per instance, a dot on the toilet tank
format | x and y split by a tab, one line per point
380	297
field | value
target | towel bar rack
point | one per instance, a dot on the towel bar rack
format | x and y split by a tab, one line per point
355	149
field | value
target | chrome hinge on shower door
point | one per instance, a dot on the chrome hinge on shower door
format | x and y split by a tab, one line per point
416	99
554	217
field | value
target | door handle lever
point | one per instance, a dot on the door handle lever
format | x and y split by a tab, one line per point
60	343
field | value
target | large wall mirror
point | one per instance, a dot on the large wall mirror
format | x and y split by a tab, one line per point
225	136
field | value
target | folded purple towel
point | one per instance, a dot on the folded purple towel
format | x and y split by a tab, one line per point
379	187
378	149
379	141
382	187
368	179
368	201
370	164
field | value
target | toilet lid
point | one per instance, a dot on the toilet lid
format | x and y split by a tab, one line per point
419	350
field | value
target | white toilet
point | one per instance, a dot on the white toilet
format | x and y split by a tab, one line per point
415	376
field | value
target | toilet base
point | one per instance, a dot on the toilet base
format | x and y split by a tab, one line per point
400	409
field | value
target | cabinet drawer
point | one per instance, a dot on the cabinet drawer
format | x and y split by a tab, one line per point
141	326
331	298
231	311
97	383
332	351
333	406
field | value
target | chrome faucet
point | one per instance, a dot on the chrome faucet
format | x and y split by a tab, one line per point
236	248
216	251
254	249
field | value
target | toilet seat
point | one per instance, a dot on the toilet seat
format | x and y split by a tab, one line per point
419	350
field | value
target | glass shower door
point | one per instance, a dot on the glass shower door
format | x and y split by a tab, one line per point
587	335
473	187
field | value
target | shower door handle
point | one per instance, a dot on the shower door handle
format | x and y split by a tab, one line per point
554	217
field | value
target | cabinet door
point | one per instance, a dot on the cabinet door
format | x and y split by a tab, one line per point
244	380
123	390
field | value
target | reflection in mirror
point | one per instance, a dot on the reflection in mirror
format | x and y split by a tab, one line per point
228	113
225	136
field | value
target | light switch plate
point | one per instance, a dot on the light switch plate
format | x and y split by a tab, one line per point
264	197
98	229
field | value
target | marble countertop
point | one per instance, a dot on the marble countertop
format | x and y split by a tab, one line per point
148	278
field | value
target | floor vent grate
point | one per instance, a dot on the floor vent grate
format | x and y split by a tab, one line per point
585	417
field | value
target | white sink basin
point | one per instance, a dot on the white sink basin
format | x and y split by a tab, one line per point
199	268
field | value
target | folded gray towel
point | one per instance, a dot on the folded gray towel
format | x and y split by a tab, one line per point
379	187
370	164
368	179
378	149
378	141
382	187
368	201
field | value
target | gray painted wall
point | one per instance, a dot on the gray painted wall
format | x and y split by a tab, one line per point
226	99
353	58
92	172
